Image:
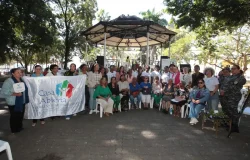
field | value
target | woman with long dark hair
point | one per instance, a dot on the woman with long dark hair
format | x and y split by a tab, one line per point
16	101
114	88
198	97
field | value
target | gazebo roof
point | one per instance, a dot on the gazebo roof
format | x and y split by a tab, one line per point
128	31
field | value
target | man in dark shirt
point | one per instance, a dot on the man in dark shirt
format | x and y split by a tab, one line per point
197	75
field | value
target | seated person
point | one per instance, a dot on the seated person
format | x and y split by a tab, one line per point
103	95
124	92
168	94
114	88
146	89
181	97
157	91
135	93
198	98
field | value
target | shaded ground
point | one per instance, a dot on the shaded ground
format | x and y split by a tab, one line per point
135	135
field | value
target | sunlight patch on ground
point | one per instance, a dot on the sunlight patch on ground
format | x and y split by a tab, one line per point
120	126
148	134
111	142
3	112
198	131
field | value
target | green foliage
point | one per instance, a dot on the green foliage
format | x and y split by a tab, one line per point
224	13
154	16
103	16
181	47
74	16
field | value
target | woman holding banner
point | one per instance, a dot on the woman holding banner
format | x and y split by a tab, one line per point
103	95
16	93
38	73
71	72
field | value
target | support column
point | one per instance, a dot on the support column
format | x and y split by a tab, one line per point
105	38
169	47
147	55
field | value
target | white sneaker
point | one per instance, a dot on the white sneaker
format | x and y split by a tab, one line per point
91	111
191	120
68	118
74	115
97	111
195	121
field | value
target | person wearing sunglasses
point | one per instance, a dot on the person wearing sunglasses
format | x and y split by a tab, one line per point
198	97
231	93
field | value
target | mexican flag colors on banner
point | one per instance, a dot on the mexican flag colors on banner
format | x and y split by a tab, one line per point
55	96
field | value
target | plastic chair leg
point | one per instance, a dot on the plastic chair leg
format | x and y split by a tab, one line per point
101	111
120	108
152	103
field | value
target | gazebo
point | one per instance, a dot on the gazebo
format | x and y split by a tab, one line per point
128	31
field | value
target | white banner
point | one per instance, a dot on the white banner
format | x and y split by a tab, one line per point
55	96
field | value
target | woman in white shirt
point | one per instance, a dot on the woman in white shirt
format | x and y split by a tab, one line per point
212	84
94	77
186	77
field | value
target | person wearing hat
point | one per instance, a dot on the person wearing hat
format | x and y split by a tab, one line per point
146	73
223	78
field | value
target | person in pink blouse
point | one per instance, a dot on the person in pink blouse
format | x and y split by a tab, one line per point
119	73
129	76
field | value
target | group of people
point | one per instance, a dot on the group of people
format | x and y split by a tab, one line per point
114	88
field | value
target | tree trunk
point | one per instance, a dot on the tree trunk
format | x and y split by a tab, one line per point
67	48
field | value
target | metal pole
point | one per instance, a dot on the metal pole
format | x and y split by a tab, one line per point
169	47
147	62
105	38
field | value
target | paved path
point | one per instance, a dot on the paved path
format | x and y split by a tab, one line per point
135	135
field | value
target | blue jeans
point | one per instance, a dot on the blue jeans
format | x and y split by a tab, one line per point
132	99
195	109
92	100
213	102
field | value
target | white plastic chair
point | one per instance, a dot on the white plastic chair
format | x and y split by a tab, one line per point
152	103
185	113
5	146
101	108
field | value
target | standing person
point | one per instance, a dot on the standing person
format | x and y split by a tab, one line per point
176	75
130	76
103	72
71	72
157	91
155	73
165	76
94	78
231	93
38	73
114	88
212	84
134	88
146	73
186	77
225	74
196	76
168	94
171	70
103	93
111	73
134	71
124	90
146	89
15	101
120	73
46	70
140	77
54	70
198	96
84	71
